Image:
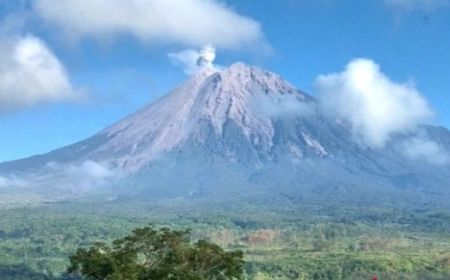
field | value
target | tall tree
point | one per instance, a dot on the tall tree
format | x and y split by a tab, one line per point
159	254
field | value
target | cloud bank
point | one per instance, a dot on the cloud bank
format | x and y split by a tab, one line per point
187	22
30	74
192	61
375	106
77	177
6	182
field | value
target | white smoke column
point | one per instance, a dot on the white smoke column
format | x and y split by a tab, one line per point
193	61
207	56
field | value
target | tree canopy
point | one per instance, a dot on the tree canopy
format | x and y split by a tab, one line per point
160	254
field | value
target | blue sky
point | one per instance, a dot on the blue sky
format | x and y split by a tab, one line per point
109	74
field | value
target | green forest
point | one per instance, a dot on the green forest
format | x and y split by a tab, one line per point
304	242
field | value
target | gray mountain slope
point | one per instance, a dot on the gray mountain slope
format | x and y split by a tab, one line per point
238	132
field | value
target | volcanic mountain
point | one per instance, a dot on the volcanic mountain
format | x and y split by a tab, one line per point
237	132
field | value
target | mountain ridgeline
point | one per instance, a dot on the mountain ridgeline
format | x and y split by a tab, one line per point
238	133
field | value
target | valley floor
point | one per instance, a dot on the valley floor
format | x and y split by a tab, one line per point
304	242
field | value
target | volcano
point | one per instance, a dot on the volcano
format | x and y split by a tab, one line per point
239	132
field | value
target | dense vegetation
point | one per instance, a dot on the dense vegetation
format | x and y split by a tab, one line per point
160	254
303	242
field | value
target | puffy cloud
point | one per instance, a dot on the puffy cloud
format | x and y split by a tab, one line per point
375	106
425	150
409	5
192	61
30	74
187	22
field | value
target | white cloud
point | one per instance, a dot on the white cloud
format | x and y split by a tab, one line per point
425	150
90	171
30	74
375	106
187	22
410	5
77	177
10	182
282	105
86	175
192	61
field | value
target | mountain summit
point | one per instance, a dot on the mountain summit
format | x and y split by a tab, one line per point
206	103
237	131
